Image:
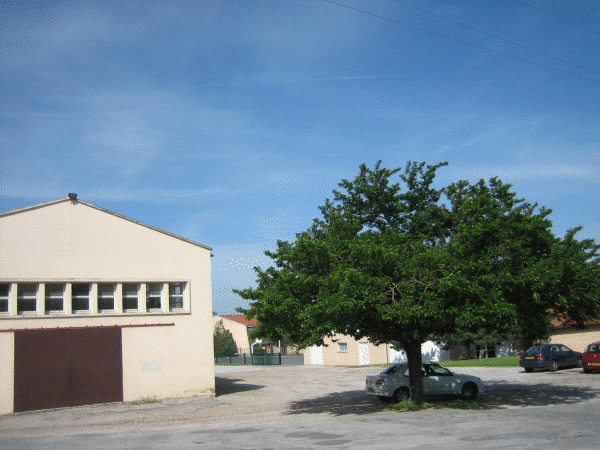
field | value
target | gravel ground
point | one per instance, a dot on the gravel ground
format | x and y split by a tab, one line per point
251	398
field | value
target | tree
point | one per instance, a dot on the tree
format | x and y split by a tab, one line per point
224	344
393	265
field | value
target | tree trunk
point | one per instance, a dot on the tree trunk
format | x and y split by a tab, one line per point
413	354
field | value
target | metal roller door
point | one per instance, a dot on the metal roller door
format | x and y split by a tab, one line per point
67	367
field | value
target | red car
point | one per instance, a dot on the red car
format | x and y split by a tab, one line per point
591	357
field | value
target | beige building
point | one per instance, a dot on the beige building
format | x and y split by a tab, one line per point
237	330
575	339
96	307
342	350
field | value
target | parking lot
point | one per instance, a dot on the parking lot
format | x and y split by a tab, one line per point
302	407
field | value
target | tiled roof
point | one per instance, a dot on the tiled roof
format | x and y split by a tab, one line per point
240	318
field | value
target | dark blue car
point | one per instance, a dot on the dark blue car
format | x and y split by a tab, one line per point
550	357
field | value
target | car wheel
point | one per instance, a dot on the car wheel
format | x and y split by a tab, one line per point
400	395
469	391
385	399
528	369
587	371
553	366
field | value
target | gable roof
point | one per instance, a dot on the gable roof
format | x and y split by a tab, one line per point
79	202
240	318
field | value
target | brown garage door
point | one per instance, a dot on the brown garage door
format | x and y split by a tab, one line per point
67	367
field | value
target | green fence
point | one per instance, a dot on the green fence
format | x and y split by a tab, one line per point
262	359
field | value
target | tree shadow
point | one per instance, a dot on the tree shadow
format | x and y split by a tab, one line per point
502	394
336	403
225	386
497	395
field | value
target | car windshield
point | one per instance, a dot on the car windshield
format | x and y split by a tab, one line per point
593	348
436	369
393	369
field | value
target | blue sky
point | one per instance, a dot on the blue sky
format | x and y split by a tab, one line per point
230	122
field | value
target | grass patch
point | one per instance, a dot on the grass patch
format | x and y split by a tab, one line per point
146	401
408	405
509	361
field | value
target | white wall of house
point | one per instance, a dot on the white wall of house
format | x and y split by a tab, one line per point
71	242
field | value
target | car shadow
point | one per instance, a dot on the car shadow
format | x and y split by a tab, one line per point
225	386
498	395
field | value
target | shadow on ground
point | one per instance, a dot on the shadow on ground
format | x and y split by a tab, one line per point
501	394
498	395
224	386
336	403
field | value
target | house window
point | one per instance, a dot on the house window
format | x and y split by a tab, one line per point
26	298
130	296
55	293
80	297
106	297
176	295
4	289
153	292
342	347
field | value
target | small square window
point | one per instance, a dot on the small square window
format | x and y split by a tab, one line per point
54	297
342	347
176	291
153	293
4	289
106	297
26	298
80	297
130	296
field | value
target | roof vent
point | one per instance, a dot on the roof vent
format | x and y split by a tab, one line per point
72	196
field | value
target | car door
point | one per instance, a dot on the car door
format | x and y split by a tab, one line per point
556	355
570	357
441	380
430	384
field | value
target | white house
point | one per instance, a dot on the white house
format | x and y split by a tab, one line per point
96	307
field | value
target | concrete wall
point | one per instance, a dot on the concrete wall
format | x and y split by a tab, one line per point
576	340
66	242
7	369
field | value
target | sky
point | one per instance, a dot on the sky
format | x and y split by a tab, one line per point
230	122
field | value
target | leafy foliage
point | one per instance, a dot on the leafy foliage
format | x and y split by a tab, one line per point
224	344
401	265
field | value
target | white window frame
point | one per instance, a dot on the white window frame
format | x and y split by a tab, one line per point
342	347
128	296
102	296
179	297
51	295
80	297
27	297
5	298
150	296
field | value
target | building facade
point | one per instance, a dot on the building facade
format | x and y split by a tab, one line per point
96	307
343	350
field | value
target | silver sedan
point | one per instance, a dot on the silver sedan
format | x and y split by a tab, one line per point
392	385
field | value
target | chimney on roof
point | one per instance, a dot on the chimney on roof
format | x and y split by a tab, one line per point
72	196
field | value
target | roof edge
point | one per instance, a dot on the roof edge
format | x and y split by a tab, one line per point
98	208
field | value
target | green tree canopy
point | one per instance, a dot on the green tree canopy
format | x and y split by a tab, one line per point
224	344
389	264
